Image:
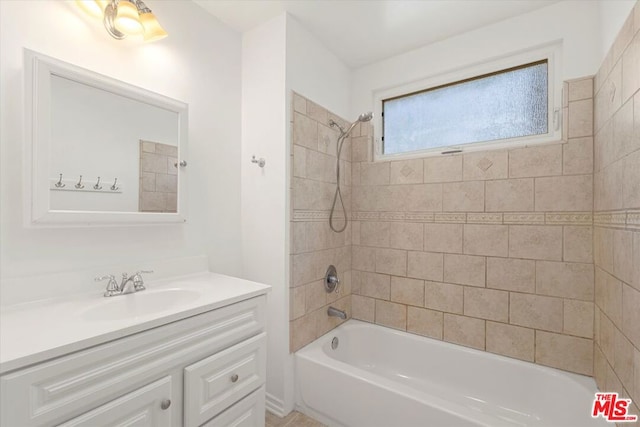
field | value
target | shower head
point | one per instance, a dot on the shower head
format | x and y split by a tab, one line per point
365	117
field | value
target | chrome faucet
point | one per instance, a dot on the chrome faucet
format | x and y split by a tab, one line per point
332	311
113	289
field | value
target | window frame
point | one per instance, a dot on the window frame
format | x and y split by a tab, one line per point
550	53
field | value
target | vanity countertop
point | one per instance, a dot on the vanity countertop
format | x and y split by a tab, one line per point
34	332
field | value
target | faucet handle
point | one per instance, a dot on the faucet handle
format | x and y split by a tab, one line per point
138	282
112	286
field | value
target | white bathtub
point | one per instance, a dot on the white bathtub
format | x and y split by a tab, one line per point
382	377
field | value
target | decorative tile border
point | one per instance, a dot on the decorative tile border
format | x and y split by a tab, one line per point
617	219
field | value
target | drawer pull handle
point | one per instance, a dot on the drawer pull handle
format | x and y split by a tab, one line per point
165	404
234	378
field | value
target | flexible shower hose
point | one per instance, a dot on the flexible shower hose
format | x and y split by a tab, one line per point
338	194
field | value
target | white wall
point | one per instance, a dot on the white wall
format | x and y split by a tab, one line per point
613	13
264	191
576	23
278	57
315	72
199	63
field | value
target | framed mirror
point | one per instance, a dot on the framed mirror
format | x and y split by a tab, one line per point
100	151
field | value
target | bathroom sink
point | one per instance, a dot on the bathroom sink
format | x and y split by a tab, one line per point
138	304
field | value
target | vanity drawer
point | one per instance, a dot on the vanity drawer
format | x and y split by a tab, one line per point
249	412
60	389
215	383
148	406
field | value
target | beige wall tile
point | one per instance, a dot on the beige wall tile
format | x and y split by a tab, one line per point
406	235
578	244
320	166
303	331
607	337
361	149
511	274
443	169
623	255
153	202
543	160
485	165
156	163
465	331
298	237
425	322
487	304
623	359
443	238
305	131
317	113
578	318
363	308
565	279
535	242
328	142
298	301
509	195
375	285
565	352
299	103
463	196
580	89
391	314
374	234
631	179
492	240
580	118
577	156
312	195
425	265
631	314
623	142
636	362
443	297
148	181
564	193
374	173
416	198
407	172
636	255
608	295
464	269
299	161
407	291
391	261
603	248
364	258
316	296
536	311
599	367
512	341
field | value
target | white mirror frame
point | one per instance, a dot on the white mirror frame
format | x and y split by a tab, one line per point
37	147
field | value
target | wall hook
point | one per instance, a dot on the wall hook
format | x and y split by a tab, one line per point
97	186
113	187
182	163
79	185
59	184
261	161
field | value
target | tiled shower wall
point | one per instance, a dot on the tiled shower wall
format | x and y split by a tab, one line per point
617	215
491	249
314	246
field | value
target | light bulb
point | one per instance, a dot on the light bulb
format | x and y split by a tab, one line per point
127	19
152	28
92	7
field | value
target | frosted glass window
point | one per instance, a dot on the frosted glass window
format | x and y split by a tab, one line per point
511	103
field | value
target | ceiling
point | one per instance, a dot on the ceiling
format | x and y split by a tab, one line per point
360	32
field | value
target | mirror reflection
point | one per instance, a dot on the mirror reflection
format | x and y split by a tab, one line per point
110	152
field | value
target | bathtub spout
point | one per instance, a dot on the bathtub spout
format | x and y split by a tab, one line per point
332	311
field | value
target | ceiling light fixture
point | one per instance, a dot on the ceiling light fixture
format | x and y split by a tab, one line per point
124	18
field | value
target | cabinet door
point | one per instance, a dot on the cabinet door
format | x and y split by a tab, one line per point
217	382
148	406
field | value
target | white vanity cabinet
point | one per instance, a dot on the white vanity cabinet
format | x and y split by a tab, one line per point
208	369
